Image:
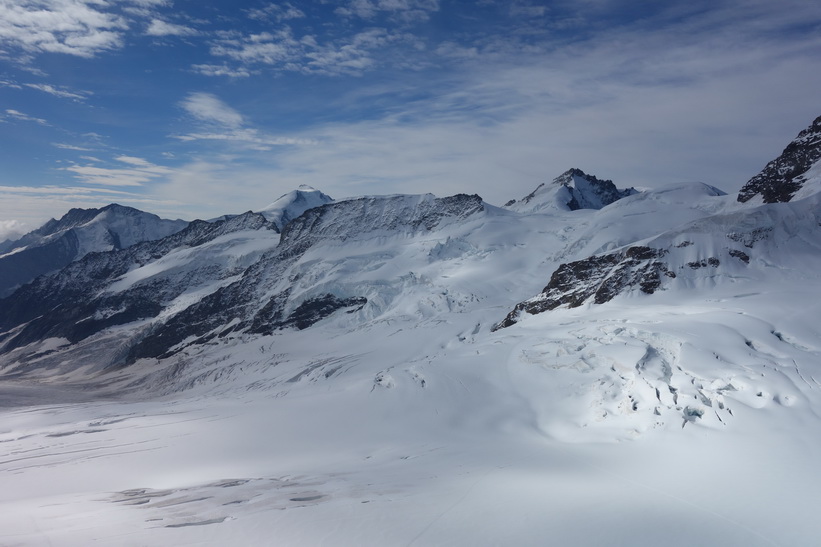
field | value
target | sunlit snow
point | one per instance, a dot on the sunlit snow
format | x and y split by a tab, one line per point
685	417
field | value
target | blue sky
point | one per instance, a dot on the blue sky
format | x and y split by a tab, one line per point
195	108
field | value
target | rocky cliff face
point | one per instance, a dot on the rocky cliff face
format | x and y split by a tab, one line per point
598	279
784	176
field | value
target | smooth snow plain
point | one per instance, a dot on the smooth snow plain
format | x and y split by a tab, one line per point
686	417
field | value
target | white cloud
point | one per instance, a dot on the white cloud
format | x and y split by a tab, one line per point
223	123
137	162
65	146
221	70
150	3
253	137
73	27
262	48
277	12
138	173
281	51
60	91
526	9
158	27
408	11
17	115
12	85
208	108
13	229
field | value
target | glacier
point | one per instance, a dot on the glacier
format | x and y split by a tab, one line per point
335	373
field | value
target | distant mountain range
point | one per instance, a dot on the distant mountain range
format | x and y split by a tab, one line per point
116	287
587	365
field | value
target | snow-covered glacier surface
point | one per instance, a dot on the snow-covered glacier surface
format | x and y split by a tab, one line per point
685	415
688	423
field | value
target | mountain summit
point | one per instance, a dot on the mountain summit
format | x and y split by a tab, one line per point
294	203
787	174
80	231
572	190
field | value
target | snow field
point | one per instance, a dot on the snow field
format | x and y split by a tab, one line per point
682	418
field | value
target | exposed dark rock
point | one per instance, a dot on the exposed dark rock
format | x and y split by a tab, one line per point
318	308
783	176
577	190
597	193
601	278
748	239
712	262
741	255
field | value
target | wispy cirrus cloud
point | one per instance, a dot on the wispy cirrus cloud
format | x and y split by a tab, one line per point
60	91
276	12
253	138
66	146
158	27
223	123
207	107
138	172
283	52
408	11
19	116
221	70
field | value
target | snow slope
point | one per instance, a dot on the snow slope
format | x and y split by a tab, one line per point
293	204
79	232
343	384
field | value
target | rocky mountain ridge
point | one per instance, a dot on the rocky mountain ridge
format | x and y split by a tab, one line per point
380	257
572	190
782	178
80	231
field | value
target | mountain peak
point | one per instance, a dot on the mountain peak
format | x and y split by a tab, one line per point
293	204
80	231
783	177
572	190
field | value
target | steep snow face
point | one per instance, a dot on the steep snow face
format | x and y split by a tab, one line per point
125	227
293	204
570	191
748	244
373	257
79	232
789	173
140	285
317	260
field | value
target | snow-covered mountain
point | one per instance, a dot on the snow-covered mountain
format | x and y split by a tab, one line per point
294	203
410	369
574	189
80	231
